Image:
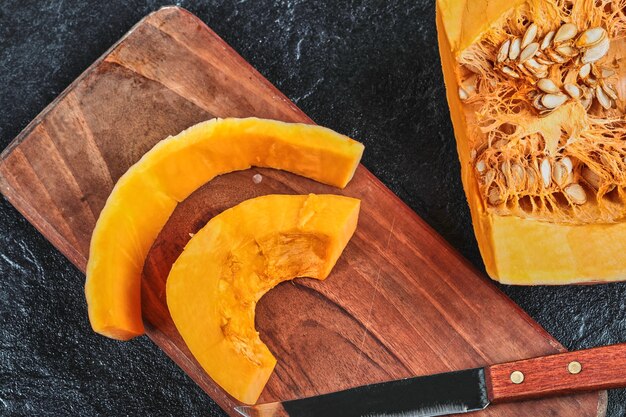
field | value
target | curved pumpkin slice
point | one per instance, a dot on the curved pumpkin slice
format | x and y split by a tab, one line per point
145	196
242	253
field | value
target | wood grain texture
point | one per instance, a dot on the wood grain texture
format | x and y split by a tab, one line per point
600	368
400	301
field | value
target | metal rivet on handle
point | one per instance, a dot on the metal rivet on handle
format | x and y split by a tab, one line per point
574	367
517	377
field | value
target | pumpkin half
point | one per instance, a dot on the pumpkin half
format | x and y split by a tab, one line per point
145	196
241	254
536	94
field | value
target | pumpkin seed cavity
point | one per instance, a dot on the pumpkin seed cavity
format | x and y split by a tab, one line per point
547	102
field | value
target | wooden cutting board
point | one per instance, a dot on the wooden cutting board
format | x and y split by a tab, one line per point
400	301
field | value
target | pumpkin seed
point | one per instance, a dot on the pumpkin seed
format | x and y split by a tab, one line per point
505	168
534	65
576	193
547	40
518	175
495	197
591	178
537	102
490	176
528	52
543	60
606	72
591	82
572	90
584	71
546	172
537	69
515	49
473	154
532	178
596	71
548	86
604	100
556	57
560	174
591	37
552	101
524	70
610	91
510	72
481	166
596	52
469	84
529	35
463	95
566	51
571	77
503	52
568	164
565	33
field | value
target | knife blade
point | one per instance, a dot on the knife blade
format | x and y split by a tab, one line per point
463	391
434	395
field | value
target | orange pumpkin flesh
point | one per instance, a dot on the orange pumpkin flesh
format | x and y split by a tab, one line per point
543	236
242	253
145	196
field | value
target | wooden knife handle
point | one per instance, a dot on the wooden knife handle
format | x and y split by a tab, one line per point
564	373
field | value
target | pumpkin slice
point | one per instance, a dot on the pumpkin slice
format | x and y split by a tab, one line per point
536	93
145	196
241	254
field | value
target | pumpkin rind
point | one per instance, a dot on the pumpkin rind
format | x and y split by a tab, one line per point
518	250
146	195
226	267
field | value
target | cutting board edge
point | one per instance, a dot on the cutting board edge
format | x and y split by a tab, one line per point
40	116
42	226
11	194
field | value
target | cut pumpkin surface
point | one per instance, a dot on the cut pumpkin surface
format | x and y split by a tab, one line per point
536	90
215	284
146	195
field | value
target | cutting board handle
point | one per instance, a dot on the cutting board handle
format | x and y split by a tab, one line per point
564	373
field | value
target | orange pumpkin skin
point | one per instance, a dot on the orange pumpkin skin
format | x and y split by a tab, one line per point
515	250
145	196
242	253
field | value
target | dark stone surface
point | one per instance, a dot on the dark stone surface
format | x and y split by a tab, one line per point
366	68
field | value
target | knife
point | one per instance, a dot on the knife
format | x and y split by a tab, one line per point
463	391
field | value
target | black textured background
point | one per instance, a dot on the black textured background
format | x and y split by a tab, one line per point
367	68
